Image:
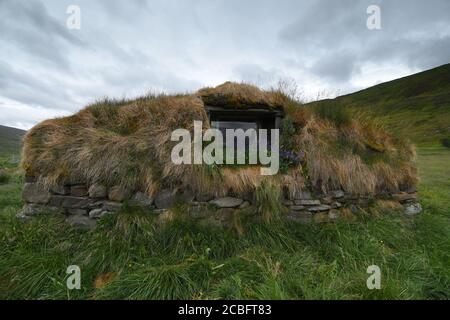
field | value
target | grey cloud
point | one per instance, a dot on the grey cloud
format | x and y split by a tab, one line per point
28	26
409	34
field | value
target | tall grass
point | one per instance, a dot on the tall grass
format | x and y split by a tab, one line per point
135	258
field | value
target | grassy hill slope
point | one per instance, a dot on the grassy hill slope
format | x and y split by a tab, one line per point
417	105
10	139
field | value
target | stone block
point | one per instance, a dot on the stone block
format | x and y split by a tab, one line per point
69	202
412	209
307	202
319	208
78	191
227	202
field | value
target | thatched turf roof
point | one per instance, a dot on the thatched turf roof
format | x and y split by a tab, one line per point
128	143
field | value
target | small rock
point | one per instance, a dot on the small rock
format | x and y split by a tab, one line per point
336	194
336	205
334	214
327	200
297	208
97	213
412	209
35	193
322	207
165	199
307	202
31	209
118	193
288	203
227	202
97	191
354	209
112	206
142	199
78	191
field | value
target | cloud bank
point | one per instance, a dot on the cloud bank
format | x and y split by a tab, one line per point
127	48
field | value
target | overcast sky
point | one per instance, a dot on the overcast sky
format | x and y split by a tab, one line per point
127	48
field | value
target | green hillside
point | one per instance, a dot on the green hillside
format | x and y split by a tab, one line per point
417	106
10	139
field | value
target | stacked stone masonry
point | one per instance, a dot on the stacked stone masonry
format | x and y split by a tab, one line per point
83	205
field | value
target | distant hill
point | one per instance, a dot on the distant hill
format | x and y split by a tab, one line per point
10	139
417	105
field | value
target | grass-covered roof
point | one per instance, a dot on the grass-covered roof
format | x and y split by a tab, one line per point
128	143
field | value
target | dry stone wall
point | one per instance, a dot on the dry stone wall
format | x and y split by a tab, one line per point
83	205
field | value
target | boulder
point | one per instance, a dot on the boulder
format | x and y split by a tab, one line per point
412	209
35	193
118	193
227	202
97	191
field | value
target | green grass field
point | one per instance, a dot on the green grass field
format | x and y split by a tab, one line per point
126	257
